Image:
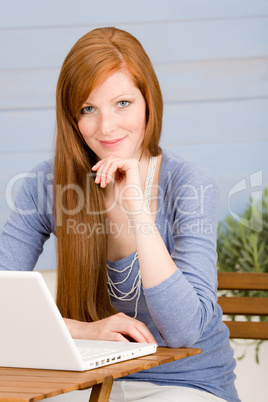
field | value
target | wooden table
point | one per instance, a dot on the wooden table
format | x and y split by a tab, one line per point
29	385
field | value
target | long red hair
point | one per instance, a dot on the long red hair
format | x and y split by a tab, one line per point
82	291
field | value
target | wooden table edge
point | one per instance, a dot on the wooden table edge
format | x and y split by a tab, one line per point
101	379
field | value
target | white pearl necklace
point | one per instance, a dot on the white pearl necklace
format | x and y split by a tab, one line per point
135	290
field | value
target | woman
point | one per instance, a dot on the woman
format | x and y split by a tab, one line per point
130	214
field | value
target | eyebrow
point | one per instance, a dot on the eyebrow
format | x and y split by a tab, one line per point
123	95
117	96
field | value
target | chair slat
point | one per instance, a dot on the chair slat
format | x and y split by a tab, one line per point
240	281
244	305
248	330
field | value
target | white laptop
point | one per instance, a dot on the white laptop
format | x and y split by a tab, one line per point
33	333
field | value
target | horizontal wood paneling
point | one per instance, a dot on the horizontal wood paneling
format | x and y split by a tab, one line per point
242	281
184	41
230	163
82	12
211	123
213	80
27	131
244	306
247	329
180	82
28	89
184	124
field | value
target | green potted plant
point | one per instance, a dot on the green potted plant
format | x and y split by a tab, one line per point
242	248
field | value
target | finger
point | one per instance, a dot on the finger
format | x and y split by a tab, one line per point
134	328
98	168
142	334
119	337
111	336
101	176
106	169
135	335
107	172
98	165
103	173
101	162
143	331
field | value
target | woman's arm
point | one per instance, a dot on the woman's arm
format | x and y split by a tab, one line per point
180	284
183	304
29	223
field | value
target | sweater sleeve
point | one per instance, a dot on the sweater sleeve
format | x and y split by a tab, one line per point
183	305
29	224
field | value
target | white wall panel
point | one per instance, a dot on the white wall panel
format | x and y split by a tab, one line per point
180	82
26	131
213	80
230	163
28	89
165	42
215	122
38	13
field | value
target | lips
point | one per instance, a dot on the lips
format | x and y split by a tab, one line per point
112	143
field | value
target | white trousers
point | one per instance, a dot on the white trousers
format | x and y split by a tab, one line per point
134	391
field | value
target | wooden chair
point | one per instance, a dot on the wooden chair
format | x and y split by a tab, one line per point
244	306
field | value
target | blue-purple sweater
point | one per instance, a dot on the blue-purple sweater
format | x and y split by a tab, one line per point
182	311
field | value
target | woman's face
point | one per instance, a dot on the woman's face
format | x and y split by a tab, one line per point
112	120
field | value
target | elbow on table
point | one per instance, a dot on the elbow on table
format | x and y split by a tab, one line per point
182	340
185	333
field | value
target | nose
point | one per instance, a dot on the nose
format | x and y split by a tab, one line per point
107	123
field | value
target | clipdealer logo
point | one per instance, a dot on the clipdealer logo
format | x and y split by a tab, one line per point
256	181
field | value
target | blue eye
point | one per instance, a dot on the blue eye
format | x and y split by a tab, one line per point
87	110
123	103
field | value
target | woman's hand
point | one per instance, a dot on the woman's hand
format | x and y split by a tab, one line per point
118	327
125	175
